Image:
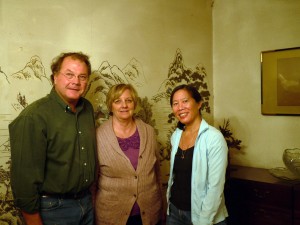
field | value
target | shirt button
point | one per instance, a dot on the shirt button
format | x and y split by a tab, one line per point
135	177
134	195
79	132
86	180
82	148
84	164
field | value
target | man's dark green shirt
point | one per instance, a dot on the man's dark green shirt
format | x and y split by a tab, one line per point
52	150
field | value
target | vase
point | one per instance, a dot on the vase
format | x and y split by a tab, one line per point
291	159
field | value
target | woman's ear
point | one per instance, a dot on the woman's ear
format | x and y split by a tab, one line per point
200	105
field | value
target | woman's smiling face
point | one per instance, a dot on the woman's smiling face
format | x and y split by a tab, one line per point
123	107
184	107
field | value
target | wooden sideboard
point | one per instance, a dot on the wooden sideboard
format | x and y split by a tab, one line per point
296	205
254	197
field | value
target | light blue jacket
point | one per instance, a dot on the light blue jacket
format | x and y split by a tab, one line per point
208	175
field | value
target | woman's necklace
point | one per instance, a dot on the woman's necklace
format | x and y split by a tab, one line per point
187	141
182	153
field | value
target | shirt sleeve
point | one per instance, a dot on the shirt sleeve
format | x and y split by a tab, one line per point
217	163
28	149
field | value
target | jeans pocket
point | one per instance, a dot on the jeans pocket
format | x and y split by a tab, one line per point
48	203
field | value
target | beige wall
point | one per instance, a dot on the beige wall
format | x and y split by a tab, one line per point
226	39
241	30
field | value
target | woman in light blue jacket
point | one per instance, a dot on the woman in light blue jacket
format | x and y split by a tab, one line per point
198	164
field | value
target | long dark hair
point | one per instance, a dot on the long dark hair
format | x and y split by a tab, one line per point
195	94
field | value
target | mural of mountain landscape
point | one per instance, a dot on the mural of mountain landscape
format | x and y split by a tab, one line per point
21	88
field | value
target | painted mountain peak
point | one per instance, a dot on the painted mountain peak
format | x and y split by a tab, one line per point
34	69
178	73
108	75
133	71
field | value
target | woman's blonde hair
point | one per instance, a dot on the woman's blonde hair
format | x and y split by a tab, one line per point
116	91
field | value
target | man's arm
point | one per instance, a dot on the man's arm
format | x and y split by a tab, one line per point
28	153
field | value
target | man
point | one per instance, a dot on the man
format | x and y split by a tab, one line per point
53	149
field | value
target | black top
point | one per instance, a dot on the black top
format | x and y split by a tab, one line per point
181	188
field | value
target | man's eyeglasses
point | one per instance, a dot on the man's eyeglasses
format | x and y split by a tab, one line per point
71	76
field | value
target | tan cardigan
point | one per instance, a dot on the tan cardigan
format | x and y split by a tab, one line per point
119	185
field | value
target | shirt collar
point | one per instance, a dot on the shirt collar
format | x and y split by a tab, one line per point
66	107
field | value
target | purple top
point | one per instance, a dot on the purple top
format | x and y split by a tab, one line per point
131	147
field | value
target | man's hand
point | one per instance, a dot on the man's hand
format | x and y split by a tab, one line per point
32	219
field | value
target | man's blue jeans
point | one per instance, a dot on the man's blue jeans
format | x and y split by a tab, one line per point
61	211
180	217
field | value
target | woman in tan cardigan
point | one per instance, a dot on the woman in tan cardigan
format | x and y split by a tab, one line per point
129	187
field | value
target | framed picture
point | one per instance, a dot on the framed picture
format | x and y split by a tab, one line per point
280	82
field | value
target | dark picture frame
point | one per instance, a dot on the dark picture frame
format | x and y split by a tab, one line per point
280	82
